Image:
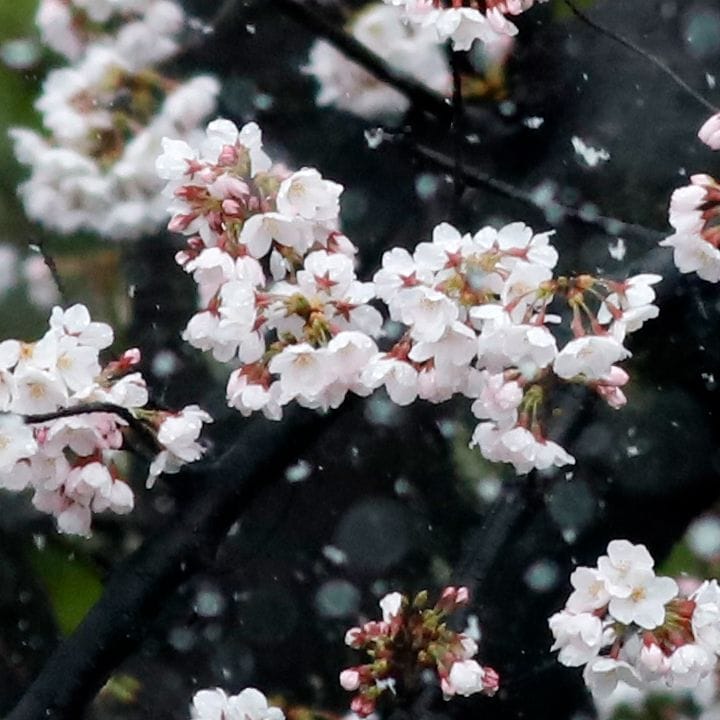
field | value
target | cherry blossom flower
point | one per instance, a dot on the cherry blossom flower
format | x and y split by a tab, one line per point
578	637
645	605
592	356
249	704
709	133
466	20
694	210
629	626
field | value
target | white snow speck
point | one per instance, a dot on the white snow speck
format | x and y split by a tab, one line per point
592	156
617	251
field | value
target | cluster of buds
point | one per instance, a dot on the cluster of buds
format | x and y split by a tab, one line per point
105	115
694	213
464	21
627	625
410	639
412	49
59	433
279	293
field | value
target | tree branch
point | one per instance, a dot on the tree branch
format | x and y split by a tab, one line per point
38	245
124	414
139	587
475	178
650	57
458	128
419	95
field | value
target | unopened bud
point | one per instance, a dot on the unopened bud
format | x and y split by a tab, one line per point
350	679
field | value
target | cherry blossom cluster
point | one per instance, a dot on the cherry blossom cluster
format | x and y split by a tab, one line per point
694	213
148	31
627	625
409	639
464	21
74	463
276	278
279	293
477	322
105	115
216	704
413	49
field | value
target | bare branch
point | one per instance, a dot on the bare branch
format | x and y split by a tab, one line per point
473	177
650	57
419	95
139	587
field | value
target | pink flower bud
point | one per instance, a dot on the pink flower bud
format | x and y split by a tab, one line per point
228	155
491	681
350	679
179	223
617	377
353	637
613	396
231	207
447	689
362	706
463	595
131	357
447	599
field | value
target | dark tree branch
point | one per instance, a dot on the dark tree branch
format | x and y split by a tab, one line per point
139	587
419	95
458	128
650	57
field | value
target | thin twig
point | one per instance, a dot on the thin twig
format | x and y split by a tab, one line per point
124	414
38	245
476	178
418	94
654	59
139	586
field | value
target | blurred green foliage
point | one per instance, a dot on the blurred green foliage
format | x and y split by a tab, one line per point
72	583
17	89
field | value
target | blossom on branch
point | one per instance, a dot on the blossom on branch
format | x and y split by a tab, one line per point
464	21
280	299
276	278
627	625
694	212
74	461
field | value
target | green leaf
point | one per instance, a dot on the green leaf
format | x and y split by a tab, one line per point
73	584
